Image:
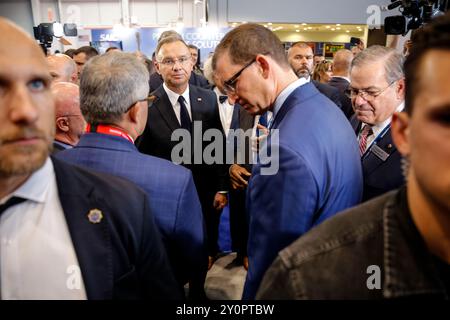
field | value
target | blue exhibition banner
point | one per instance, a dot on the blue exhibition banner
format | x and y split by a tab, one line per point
206	39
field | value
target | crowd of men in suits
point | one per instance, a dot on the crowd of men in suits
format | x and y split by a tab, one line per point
130	223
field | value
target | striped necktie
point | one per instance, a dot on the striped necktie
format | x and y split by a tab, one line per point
365	133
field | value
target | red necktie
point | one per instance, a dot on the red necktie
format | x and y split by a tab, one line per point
365	133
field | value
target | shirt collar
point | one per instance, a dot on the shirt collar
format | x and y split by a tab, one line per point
173	96
37	185
286	93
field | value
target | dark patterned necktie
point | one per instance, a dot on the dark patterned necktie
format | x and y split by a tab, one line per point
222	99
185	120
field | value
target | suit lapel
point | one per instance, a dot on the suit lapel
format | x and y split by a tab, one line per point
196	104
165	109
371	162
91	241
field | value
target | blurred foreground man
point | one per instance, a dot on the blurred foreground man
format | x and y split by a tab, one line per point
397	245
65	233
311	174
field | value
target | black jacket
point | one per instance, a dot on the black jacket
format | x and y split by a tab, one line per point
373	251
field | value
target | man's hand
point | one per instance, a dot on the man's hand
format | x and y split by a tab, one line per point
220	201
239	176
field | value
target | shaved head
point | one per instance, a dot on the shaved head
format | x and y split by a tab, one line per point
342	63
70	123
26	105
62	68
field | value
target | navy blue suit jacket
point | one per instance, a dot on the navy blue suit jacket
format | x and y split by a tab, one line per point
380	175
319	175
122	256
172	196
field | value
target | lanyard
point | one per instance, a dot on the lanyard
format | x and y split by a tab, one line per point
377	139
106	129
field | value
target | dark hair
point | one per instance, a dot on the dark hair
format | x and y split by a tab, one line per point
435	35
245	42
88	50
111	48
69	52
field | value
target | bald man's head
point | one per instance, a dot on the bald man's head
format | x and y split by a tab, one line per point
26	104
70	124
342	62
62	68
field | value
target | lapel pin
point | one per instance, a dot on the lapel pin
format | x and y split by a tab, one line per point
389	146
199	99
95	216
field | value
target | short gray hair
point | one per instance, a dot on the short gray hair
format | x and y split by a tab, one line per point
110	84
393	65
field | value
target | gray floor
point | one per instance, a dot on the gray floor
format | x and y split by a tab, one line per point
225	280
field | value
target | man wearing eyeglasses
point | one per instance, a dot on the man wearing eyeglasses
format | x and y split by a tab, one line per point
319	169
70	124
377	91
179	105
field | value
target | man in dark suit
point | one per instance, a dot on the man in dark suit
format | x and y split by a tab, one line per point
180	108
340	80
304	175
109	147
300	57
73	234
70	124
377	91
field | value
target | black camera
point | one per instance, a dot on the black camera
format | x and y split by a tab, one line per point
415	13
45	32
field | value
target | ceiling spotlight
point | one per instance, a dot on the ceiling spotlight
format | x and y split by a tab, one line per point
338	28
297	30
296	26
347	31
332	29
328	27
304	24
309	28
338	24
269	24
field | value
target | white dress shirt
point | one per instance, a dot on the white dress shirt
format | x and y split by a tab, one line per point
225	111
173	97
378	128
37	257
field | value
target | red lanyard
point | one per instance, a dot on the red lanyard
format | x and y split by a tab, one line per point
106	129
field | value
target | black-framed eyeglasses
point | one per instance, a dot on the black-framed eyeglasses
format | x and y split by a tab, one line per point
367	95
230	84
